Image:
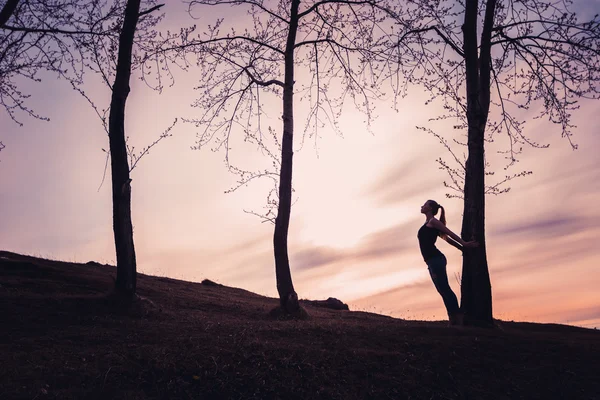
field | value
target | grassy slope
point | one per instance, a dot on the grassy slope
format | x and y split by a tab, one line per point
61	337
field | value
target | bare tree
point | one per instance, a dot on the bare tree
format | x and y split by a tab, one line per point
328	52
137	29
531	56
68	38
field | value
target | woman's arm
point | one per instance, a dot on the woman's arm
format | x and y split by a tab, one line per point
453	242
444	229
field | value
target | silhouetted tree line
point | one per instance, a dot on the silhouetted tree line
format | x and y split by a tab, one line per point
530	54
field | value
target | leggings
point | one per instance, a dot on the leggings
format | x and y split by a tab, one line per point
437	271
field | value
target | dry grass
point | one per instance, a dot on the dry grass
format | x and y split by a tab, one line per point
62	336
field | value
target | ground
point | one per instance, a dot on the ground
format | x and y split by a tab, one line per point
63	336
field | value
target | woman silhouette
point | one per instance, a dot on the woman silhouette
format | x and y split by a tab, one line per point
435	259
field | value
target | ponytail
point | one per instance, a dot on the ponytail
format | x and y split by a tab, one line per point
443	221
435	207
443	215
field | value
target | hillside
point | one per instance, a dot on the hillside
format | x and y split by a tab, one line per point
62	337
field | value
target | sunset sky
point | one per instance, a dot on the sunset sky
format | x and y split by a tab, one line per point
355	219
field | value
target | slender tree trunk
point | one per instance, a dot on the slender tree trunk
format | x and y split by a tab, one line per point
287	296
476	290
8	10
121	188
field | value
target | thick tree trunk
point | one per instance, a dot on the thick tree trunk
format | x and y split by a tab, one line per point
121	188
287	296
476	290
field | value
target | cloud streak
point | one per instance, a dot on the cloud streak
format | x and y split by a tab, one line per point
548	227
403	182
383	244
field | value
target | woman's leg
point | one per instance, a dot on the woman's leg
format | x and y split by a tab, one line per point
437	271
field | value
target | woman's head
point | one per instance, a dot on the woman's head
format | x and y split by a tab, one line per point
433	207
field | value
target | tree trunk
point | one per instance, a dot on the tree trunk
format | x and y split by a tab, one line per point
287	296
476	290
121	188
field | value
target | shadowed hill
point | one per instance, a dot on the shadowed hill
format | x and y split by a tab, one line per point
62	337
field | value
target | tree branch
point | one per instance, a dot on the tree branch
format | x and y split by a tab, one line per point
156	7
214	40
508	39
446	39
329	41
346	2
252	3
540	21
262	83
8	10
54	30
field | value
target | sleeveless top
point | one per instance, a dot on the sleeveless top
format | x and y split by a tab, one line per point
427	237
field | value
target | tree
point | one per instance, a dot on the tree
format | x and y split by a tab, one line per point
132	28
68	38
341	43
121	188
531	55
45	35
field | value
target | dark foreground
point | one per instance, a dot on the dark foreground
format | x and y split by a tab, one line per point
62	337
